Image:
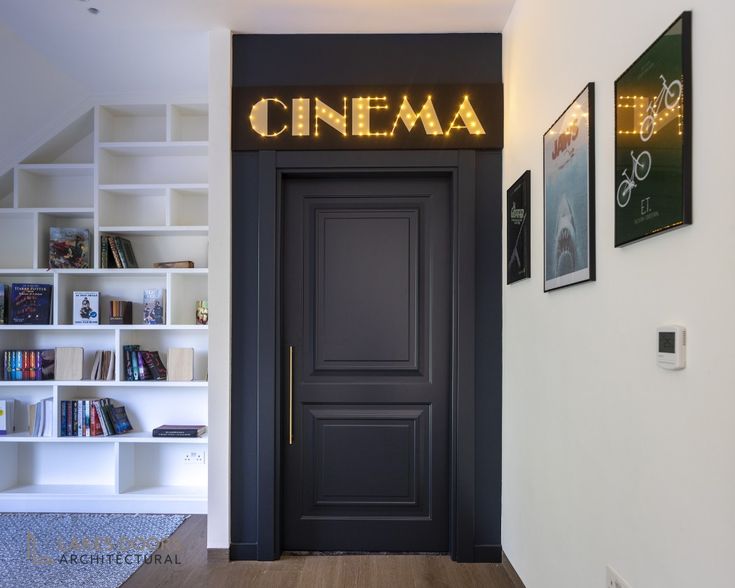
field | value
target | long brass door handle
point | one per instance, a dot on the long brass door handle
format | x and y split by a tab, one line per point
290	394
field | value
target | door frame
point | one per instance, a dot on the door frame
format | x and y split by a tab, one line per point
273	168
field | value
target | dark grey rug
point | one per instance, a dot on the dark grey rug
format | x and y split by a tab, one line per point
89	550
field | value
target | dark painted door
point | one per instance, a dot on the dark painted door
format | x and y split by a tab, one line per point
367	311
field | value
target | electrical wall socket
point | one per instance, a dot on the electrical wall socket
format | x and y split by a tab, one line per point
198	457
614	580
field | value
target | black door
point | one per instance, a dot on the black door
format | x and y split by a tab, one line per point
367	312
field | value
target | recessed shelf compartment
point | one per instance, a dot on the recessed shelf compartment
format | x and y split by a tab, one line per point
127	123
6	189
163	340
155	469
74	144
63	219
18	240
189	207
148	165
145	407
111	287
55	185
189	122
133	207
186	289
161	244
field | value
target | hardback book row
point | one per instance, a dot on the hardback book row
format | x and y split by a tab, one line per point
143	365
92	417
117	252
25	304
28	364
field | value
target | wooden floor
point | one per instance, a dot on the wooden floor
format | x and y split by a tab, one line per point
197	569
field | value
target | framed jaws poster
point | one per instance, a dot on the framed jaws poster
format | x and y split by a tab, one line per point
569	195
653	145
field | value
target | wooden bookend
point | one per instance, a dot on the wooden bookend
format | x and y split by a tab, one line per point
69	363
180	364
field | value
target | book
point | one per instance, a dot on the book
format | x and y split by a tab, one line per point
119	419
180	364
174	264
180	431
121	312
86	308
68	248
3	303
129	254
41	418
30	304
153	307
69	363
115	253
104	252
7	417
128	352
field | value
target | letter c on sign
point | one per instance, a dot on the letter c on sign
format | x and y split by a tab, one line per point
259	117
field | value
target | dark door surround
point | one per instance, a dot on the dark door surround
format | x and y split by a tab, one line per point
271	168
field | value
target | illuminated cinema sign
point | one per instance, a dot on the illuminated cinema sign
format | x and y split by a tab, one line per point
331	117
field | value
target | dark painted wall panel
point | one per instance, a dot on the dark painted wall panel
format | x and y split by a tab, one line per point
244	347
312	60
488	348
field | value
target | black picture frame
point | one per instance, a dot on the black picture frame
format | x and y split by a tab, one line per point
518	229
569	194
653	138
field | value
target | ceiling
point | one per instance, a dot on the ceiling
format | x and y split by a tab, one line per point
154	45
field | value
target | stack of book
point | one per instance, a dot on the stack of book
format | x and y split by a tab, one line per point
92	417
142	365
117	252
41	418
103	367
28	364
180	431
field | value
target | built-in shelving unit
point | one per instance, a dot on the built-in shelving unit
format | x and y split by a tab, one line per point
139	171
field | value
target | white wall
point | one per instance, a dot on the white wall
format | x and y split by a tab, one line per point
220	157
608	459
36	99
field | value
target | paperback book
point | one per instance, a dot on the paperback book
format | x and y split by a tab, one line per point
68	248
30	304
7	417
153	307
86	308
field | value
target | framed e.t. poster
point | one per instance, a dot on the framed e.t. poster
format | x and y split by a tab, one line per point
653	145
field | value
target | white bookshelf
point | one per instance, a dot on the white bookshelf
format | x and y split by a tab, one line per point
139	171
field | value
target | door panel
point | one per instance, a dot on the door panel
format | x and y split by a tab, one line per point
366	294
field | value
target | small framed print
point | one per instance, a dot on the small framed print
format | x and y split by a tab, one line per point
569	195
518	229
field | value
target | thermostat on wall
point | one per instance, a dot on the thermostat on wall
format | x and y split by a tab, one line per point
672	347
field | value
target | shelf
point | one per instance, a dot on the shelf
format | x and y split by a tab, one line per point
151	271
73	212
58	169
168	231
136	327
104	383
156	148
133	187
59	491
174	492
136	437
